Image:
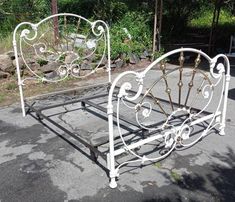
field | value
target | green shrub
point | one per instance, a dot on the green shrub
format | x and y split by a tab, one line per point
137	24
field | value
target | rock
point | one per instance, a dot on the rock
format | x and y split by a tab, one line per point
70	58
91	43
119	63
11	54
52	57
84	72
134	58
65	47
104	61
113	66
146	54
123	56
52	75
143	56
100	70
35	66
21	63
6	64
50	67
31	60
89	53
86	65
4	75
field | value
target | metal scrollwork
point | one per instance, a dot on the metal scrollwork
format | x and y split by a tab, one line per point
77	50
177	131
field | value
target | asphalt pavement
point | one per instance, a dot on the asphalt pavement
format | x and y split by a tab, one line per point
38	164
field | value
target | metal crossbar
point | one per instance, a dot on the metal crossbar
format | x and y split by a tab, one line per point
182	115
167	110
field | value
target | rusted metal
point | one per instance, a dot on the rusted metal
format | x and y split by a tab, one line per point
168	90
190	84
180	83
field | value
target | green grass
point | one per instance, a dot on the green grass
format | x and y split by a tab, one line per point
204	19
6	43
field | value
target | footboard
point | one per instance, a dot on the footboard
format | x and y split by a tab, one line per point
60	46
173	105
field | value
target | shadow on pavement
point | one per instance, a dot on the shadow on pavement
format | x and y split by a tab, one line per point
210	182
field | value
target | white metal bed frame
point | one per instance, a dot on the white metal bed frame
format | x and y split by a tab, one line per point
172	136
99	29
138	99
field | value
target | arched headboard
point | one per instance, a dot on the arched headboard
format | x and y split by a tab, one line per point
60	46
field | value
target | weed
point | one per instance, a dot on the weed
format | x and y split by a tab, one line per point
175	176
6	43
158	54
158	165
42	62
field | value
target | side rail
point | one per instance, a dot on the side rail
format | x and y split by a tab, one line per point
60	46
174	106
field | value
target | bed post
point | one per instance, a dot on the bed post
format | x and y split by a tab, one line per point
227	80
20	83
109	57
110	156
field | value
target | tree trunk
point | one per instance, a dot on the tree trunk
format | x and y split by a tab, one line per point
54	10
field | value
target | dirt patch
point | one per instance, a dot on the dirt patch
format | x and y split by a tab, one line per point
9	92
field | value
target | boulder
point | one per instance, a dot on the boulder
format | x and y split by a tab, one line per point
86	65
134	58
70	58
52	75
4	75
142	56
52	57
11	54
100	70
146	53
50	67
104	61
6	64
119	63
21	63
113	66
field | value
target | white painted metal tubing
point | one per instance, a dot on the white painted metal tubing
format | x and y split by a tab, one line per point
99	28
202	119
217	73
227	80
137	144
20	83
111	160
155	137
